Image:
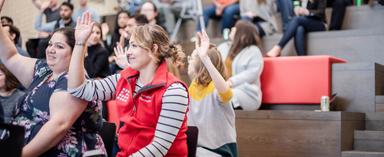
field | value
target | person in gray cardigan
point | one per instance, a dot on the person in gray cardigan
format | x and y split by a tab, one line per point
244	63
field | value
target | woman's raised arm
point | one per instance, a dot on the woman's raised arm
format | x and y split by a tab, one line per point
20	66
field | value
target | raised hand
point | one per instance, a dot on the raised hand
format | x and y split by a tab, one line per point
121	56
202	44
104	29
44	5
83	28
1	5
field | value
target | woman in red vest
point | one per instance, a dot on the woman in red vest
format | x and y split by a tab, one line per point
152	103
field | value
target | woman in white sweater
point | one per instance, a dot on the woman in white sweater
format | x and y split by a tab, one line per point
244	63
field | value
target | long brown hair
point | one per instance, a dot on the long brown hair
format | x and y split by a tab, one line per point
11	81
246	35
148	35
202	76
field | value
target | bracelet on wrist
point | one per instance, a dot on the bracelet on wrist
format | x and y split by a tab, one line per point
79	44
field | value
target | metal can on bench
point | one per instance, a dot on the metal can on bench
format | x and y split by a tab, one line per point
324	103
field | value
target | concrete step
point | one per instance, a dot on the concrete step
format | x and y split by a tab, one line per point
380	102
352	45
363	17
357	85
355	153
368	140
374	121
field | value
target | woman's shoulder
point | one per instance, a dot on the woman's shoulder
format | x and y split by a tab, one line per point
252	49
250	54
224	45
224	48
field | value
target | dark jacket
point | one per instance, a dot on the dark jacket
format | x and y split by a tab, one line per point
317	9
96	63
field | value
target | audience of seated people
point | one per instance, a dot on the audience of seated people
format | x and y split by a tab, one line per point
56	123
45	30
238	60
65	20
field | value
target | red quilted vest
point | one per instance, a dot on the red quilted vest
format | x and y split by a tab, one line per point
140	113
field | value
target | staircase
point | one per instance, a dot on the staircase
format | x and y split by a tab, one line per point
356	128
369	142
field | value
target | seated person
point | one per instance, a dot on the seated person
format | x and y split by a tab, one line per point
225	10
244	63
56	123
210	98
14	35
310	17
9	93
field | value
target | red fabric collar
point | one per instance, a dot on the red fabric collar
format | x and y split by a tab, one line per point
160	74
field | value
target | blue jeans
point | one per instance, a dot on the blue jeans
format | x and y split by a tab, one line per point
286	9
297	29
229	14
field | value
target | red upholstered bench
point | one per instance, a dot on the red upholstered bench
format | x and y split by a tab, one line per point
297	79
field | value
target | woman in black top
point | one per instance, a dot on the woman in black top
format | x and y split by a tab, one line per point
310	17
96	61
120	23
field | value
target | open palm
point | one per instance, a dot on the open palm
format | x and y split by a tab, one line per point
121	56
83	27
202	44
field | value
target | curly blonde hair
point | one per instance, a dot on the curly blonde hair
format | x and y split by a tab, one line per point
148	35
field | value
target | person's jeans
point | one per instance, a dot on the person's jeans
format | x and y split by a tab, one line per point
229	16
286	10
297	29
